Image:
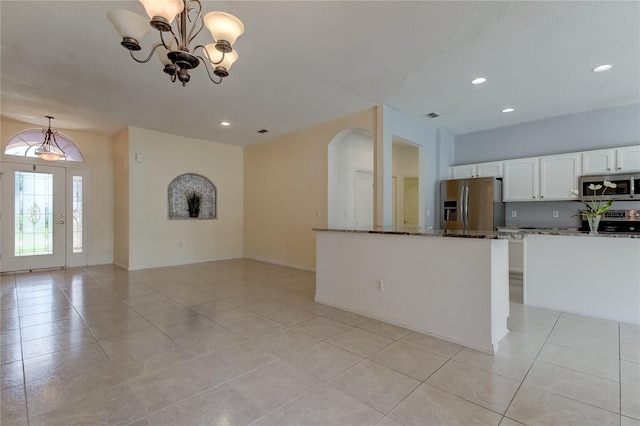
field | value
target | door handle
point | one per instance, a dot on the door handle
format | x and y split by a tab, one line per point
61	222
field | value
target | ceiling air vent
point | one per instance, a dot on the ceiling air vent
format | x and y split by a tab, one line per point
433	115
263	131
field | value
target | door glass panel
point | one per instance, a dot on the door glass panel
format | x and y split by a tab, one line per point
33	213
77	214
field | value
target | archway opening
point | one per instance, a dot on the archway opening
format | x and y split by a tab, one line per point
351	180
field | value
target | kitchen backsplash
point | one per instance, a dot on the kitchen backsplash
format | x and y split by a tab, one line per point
540	214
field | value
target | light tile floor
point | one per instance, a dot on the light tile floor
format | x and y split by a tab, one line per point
242	342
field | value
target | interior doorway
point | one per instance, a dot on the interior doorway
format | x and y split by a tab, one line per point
364	199
410	202
406	185
350	180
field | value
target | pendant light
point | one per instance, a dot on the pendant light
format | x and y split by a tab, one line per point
50	150
178	22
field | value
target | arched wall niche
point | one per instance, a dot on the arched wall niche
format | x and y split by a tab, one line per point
185	184
350	179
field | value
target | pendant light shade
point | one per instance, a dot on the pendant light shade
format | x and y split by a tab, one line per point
215	55
130	26
167	9
223	26
128	23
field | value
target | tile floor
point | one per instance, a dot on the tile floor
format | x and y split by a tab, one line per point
242	342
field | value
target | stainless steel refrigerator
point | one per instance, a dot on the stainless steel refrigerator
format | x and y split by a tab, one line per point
473	204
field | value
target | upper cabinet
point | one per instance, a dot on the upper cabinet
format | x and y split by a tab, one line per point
521	179
549	178
491	169
463	172
611	160
601	161
558	176
628	158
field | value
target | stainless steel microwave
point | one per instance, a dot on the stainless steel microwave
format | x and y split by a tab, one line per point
627	187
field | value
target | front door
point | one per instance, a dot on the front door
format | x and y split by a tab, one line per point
33	217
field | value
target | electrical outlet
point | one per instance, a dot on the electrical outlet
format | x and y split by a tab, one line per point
555	213
380	286
514	213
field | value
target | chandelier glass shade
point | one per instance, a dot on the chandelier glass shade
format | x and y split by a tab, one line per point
174	49
50	150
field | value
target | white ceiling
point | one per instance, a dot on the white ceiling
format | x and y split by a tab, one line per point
307	62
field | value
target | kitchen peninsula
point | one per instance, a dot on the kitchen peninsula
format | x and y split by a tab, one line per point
455	285
450	284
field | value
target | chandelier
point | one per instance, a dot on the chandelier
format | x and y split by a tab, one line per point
50	150
174	50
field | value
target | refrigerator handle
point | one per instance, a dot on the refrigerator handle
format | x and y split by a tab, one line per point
466	208
462	211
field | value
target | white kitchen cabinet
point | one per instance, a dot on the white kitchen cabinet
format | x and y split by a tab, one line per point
611	160
489	169
558	176
628	158
600	161
546	178
521	179
463	172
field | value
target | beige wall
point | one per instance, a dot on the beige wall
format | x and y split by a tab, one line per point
156	241
98	155
121	199
285	191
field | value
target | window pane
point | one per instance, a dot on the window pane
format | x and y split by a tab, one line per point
77	214
26	142
33	213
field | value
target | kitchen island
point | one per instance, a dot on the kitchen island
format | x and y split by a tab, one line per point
449	284
577	272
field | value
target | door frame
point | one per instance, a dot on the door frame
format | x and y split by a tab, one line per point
70	169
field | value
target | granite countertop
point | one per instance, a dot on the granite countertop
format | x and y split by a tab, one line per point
505	234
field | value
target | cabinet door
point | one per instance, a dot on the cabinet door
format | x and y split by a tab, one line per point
463	172
520	180
492	169
600	161
628	158
558	176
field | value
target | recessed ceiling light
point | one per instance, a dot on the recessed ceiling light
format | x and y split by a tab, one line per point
225	123
602	68
478	80
508	110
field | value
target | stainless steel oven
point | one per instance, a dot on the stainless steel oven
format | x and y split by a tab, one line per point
616	221
627	187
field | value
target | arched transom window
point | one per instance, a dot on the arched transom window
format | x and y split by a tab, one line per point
26	142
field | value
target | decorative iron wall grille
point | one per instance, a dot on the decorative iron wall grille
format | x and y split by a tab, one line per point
185	184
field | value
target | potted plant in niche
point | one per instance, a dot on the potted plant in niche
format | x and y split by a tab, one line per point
193	203
597	206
